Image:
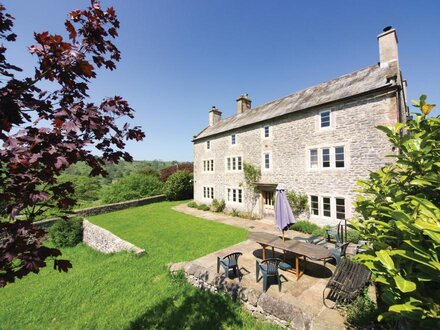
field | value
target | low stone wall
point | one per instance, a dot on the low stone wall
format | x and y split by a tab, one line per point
119	206
104	241
260	304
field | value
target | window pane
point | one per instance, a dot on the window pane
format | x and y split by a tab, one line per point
204	192
208	144
326	206
239	195
339	156
233	139
233	163
212	192
229	194
266	161
239	163
313	158
204	165
229	163
340	208
266	131
325	119
314	205
326	157
234	195
212	164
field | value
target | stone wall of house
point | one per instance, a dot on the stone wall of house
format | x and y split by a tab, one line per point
291	138
259	304
104	241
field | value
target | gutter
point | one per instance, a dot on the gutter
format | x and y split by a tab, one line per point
385	88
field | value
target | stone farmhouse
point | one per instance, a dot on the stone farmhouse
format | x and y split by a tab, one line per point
318	141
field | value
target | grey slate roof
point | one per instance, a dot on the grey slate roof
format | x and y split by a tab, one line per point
358	82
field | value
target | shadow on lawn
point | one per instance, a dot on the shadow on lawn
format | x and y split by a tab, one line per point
199	310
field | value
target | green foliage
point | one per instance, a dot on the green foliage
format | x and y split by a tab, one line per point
86	187
66	232
305	226
203	207
362	312
252	175
298	202
142	288
192	205
234	213
401	218
179	186
353	236
134	186
218	206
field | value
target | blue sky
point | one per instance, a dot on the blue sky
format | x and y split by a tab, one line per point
179	58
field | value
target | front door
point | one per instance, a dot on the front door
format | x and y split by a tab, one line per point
268	199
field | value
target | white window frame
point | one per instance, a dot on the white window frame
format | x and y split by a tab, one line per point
208	145
269	156
329	157
208	165
336	207
318	208
232	162
232	193
317	159
331	207
233	139
208	192
329	119
332	157
335	158
268	132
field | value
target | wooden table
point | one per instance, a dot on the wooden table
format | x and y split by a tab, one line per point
298	248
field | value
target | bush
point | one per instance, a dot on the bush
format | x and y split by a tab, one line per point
192	205
298	202
168	171
218	206
305	226
362	312
66	232
353	236
134	186
400	208
234	213
203	207
179	186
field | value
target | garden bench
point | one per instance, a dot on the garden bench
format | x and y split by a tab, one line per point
346	283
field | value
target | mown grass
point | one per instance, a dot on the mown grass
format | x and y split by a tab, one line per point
122	291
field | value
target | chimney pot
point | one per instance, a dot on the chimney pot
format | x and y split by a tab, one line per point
243	103
215	116
388	51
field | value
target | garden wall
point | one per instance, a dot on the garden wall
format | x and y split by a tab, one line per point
259	304
104	241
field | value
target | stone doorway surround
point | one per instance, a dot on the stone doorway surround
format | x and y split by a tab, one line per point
298	305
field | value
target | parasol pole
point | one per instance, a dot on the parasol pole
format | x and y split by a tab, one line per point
283	234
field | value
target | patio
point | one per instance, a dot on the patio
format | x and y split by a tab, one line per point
298	305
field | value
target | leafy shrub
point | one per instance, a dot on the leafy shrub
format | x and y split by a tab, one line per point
168	171
179	186
203	207
400	208
305	226
362	312
218	206
298	202
234	213
192	205
86	187
353	236
134	186
66	232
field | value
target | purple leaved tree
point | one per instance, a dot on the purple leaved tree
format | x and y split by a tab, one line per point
43	132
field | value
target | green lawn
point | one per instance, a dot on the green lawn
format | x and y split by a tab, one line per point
122	291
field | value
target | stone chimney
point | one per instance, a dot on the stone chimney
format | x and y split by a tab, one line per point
388	48
215	116
243	103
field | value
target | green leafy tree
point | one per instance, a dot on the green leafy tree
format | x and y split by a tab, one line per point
179	186
401	218
252	174
298	202
134	186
